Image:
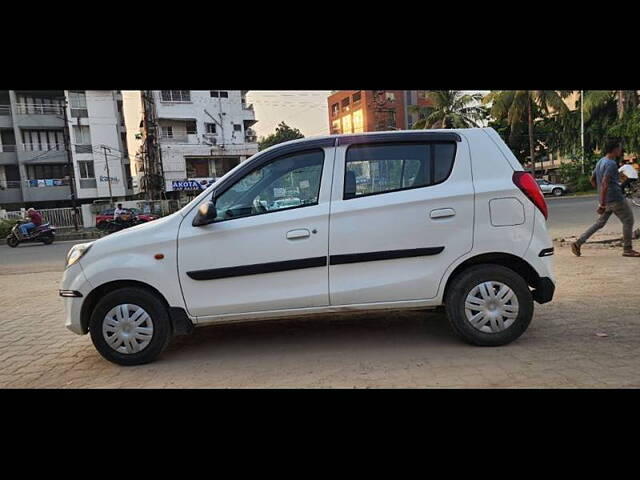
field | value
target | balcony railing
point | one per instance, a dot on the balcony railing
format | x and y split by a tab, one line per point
48	182
39	109
5	109
8	148
42	147
84	148
7	184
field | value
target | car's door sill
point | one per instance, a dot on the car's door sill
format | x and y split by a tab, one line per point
316	311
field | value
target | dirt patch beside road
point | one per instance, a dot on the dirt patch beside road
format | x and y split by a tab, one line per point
595	294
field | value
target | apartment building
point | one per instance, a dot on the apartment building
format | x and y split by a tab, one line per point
33	158
203	135
354	111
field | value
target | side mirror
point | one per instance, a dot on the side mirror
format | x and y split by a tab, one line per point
206	215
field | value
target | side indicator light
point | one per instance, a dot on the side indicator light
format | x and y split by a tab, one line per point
158	256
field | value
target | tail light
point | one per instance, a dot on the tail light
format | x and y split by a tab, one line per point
525	182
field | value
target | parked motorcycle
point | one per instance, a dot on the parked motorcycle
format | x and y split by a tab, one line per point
125	220
44	233
632	192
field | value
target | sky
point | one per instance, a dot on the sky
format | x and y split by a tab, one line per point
302	109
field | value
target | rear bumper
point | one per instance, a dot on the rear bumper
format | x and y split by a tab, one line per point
543	293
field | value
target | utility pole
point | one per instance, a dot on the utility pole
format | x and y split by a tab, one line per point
582	126
70	168
106	161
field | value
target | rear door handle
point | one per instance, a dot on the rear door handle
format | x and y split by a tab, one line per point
297	234
443	213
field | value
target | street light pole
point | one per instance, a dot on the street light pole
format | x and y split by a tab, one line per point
582	126
106	161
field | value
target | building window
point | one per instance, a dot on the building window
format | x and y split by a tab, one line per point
391	97
46	171
198	168
175	95
86	169
78	104
335	109
335	127
211	127
82	136
77	99
357	97
358	121
191	127
346	124
42	140
345	104
237	127
167	132
219	93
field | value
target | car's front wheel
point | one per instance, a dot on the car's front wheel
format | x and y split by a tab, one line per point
557	192
130	326
489	305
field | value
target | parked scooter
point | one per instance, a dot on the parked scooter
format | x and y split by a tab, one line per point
44	233
124	220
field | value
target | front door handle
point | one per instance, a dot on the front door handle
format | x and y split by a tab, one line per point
443	213
298	234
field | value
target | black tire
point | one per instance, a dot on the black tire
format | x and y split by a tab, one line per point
47	239
152	305
462	285
12	241
557	192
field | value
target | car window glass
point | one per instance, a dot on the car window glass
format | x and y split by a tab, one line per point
288	182
373	169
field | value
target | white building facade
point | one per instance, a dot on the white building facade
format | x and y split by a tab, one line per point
34	162
203	135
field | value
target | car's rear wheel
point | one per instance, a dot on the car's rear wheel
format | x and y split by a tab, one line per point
489	305
47	239
130	326
557	192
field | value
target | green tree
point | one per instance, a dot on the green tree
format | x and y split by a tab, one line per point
520	106
283	133
449	109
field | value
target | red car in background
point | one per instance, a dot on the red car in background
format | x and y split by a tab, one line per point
106	215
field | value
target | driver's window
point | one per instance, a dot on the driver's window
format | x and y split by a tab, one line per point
288	182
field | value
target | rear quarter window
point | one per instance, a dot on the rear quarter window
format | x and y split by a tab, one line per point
383	168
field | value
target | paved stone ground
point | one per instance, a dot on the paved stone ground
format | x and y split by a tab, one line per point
596	293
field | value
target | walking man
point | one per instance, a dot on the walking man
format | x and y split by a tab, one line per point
611	201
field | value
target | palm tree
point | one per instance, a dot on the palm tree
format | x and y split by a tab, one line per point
594	100
449	109
516	105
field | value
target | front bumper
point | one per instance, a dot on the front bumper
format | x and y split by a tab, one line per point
74	280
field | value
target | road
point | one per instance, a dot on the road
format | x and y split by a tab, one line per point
572	215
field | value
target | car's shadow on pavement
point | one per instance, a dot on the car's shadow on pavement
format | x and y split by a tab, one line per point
314	335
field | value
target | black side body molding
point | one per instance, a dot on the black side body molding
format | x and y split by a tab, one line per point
386	255
258	268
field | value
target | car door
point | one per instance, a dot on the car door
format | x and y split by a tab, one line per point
545	186
262	253
401	213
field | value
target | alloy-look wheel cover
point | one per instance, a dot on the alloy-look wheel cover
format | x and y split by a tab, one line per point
491	307
127	328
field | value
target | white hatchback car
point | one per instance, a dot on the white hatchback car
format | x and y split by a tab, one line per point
445	217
